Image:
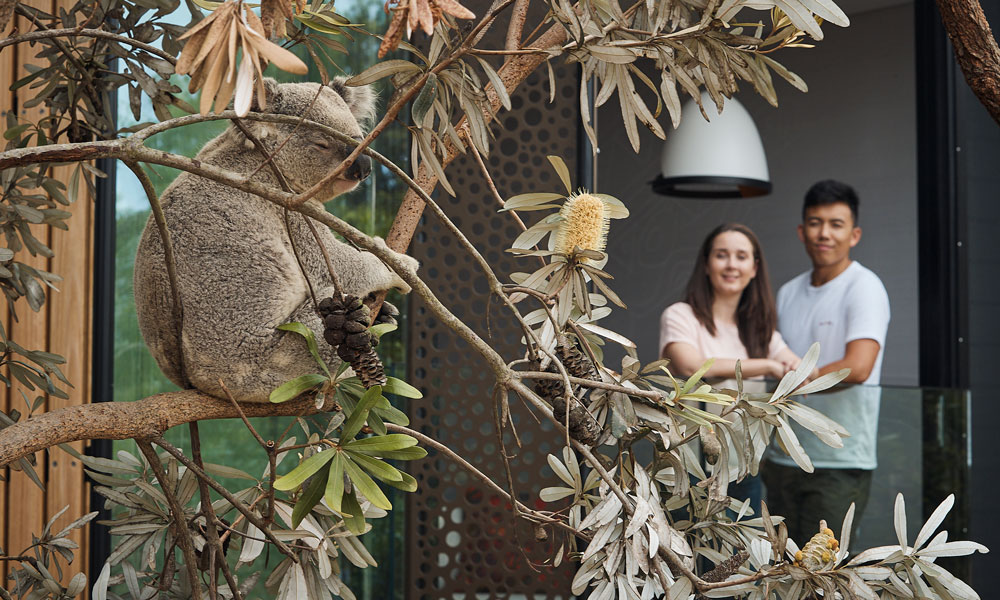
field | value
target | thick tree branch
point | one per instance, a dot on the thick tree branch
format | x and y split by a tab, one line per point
142	419
975	49
513	73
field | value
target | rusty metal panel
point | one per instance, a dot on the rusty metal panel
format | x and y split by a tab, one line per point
462	541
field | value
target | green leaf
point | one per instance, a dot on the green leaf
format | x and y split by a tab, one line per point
380	70
413	453
382	329
311	497
424	100
408	484
292	389
400	388
358	416
382	443
16	131
366	485
307	333
302	472
376	422
354	517
697	376
335	484
391	414
376	467
562	170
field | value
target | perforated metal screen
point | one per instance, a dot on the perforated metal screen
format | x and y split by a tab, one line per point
462	541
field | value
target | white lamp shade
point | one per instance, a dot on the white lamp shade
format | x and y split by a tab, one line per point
721	158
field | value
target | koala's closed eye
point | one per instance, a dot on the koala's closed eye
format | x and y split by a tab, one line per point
322	142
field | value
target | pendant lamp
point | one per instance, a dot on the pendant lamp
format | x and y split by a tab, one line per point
720	158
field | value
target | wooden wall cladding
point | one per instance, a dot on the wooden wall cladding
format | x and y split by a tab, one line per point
462	540
63	327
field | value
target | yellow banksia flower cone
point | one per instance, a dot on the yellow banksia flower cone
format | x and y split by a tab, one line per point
819	551
584	225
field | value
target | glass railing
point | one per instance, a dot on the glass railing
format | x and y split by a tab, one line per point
924	451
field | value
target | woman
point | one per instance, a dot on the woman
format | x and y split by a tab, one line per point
728	314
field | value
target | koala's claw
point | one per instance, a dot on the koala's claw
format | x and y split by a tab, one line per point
387	314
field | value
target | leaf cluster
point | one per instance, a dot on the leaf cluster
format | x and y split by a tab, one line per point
37	572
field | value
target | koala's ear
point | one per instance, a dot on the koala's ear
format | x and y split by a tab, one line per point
271	95
360	99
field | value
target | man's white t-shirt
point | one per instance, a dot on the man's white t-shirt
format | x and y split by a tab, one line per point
852	306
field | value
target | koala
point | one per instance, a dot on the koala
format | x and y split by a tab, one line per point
237	275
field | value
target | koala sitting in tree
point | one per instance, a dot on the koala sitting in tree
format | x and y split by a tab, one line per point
237	273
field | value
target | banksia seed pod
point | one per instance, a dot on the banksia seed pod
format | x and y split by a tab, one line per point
583	427
819	551
346	328
727	567
370	370
575	362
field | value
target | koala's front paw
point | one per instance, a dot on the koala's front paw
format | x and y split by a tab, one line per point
386	314
411	265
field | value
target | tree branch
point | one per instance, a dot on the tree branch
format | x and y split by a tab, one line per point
143	419
181	531
512	74
34	36
168	254
975	50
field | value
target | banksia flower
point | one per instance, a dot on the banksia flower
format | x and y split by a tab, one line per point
584	225
819	551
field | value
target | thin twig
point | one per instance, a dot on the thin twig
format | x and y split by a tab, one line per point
283	182
493	188
168	256
211	533
92	33
180	527
477	474
228	496
393	111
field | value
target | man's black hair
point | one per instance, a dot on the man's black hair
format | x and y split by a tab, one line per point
831	191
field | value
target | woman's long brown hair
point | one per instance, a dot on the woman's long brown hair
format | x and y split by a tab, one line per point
756	315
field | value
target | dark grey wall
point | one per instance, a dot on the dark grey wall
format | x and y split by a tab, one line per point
857	123
978	179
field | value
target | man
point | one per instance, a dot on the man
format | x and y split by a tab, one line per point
843	306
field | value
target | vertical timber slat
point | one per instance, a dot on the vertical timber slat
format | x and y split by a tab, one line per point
25	501
63	327
6	104
69	336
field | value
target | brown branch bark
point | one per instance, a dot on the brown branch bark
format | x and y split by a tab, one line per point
142	419
512	74
181	531
976	50
75	32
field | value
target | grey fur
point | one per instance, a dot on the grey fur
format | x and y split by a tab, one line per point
237	276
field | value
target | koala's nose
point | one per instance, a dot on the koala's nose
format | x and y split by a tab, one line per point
361	168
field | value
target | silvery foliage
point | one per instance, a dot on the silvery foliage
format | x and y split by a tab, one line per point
674	504
37	572
143	526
